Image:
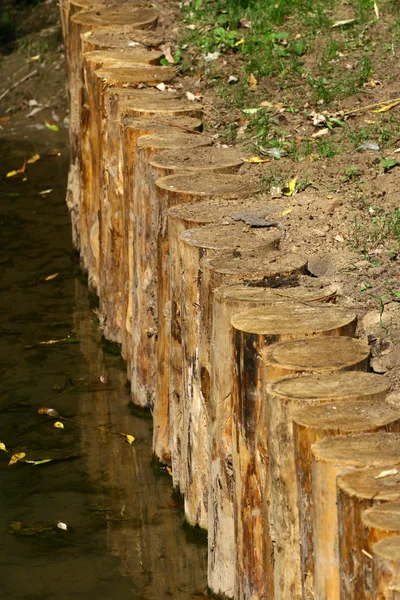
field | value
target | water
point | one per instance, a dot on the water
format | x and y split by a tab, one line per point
125	537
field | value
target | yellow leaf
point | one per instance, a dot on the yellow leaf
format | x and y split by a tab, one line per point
12	173
37	57
3	447
59	425
376	9
52	126
129	438
252	81
51	277
17	171
290	187
16	457
387	107
255	159
33	159
287	211
239	43
169	471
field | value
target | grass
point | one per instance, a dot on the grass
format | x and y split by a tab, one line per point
382	228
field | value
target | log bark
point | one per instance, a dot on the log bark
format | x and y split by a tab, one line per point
204	164
253	330
74	26
228	300
164	111
357	491
311	425
333	457
386	569
196	310
102	80
181	218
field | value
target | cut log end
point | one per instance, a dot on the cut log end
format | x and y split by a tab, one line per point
315	354
228	237
383	517
118	59
359	450
296	320
111	17
201	184
262	292
121	40
132	76
171	139
202	159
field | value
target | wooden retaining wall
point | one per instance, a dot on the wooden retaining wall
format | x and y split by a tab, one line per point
282	444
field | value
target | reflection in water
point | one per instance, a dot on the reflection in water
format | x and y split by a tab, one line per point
125	537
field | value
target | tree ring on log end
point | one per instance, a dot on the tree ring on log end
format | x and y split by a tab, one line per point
135	74
125	17
172	139
202	184
117	39
228	237
201	159
385	517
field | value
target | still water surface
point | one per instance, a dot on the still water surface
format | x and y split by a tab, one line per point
125	538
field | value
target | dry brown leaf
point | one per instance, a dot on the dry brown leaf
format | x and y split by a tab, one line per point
16	457
252	81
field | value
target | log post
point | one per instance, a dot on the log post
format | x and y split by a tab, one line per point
228	300
252	331
386	569
381	521
164	111
75	25
314	423
196	308
97	85
356	491
331	457
113	205
181	218
204	163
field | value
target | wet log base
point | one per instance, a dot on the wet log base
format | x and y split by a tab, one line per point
90	133
386	569
311	425
180	219
164	111
82	22
332	457
102	80
253	330
114	256
357	491
203	164
228	300
196	244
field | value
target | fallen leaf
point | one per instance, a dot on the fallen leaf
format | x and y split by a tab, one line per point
386	107
16	457
372	146
3	447
266	104
320	133
255	160
386	473
52	412
192	97
239	43
232	79
17	171
39	462
376	9
59	425
343	23
3	119
51	277
161	86
274	152
339	238
287	211
45	192
169	471
50	342
36	57
129	438
211	56
252	82
290	187
52	126
168	55
250	111
61	525
33	159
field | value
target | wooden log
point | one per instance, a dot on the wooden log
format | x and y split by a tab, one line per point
332	457
381	521
81	22
195	244
121	40
228	300
114	255
386	569
314	423
162	110
199	161
102	80
180	219
357	491
253	330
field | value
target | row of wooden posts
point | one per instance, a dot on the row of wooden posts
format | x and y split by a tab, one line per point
281	442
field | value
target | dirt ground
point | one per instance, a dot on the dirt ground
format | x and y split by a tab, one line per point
344	198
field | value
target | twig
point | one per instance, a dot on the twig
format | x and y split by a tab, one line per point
370	106
14	85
